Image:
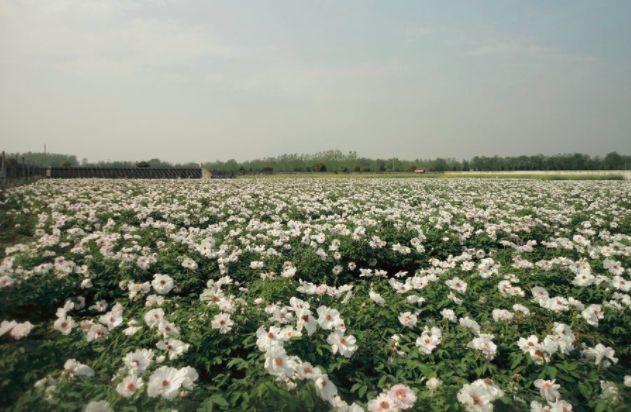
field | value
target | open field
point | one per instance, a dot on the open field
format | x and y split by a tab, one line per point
529	175
316	294
553	174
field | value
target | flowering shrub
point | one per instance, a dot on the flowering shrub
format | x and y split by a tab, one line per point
349	295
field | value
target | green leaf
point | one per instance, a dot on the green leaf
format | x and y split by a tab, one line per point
220	400
516	361
585	390
551	371
362	391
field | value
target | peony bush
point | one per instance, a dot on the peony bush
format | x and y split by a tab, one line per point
316	295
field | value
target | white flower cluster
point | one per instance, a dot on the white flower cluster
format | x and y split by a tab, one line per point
561	340
290	368
479	396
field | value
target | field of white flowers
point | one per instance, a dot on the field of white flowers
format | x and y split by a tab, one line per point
316	295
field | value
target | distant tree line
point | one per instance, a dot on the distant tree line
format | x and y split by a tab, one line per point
336	161
44	159
65	160
151	163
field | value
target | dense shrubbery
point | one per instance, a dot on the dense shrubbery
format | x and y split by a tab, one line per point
338	162
316	295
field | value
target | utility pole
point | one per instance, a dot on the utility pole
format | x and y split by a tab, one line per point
3	168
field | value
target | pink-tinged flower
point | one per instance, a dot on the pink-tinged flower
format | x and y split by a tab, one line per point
325	388
288	332
6	326
112	319
64	325
222	322
383	403
266	338
162	284
306	320
168	329
457	284
166	382
139	360
403	396
479	395
6	281
95	332
278	363
502	315
305	370
189	263
343	344
592	314
328	318
484	344
408	319
429	340
129	386
21	330
154	317
174	347
548	389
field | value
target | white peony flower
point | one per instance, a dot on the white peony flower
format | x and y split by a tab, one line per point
277	362
139	360
64	325
345	345
328	318
129	385
429	340
408	319
98	406
479	395
174	347
383	403
601	355
548	389
403	396
484	344
6	326
75	368
153	317
457	284
433	384
167	382
375	297
162	284
222	322
21	330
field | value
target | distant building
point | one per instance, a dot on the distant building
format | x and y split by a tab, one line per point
419	170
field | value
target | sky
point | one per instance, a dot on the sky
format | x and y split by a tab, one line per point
213	80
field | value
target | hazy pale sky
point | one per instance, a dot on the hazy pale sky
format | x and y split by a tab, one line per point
205	80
